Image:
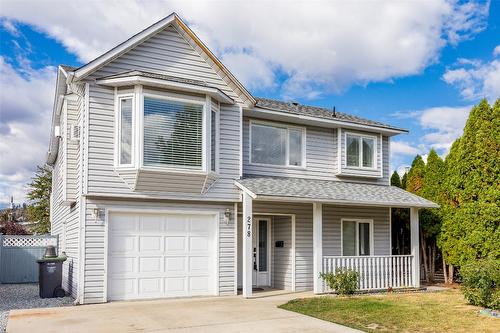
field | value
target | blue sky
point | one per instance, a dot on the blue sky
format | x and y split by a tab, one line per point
415	65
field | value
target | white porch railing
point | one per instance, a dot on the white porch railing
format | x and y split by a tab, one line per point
375	272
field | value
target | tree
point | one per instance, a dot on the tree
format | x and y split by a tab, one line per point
415	181
430	219
399	223
471	190
395	180
404	181
39	197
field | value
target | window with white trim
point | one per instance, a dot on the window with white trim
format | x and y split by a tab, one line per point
277	145
213	139
173	133
125	131
360	151
357	237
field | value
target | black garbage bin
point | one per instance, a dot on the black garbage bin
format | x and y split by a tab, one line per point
50	274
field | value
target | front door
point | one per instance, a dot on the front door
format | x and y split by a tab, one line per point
261	244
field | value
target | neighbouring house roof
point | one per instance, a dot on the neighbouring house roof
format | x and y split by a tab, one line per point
319	112
329	191
166	81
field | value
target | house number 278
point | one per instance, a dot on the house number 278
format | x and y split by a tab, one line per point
249	226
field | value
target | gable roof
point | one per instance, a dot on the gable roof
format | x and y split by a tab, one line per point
319	112
117	51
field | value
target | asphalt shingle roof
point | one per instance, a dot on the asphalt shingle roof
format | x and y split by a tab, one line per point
317	112
333	191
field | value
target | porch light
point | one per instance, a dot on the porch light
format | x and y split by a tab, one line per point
227	215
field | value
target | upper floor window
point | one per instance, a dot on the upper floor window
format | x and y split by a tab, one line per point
173	133
277	145
125	132
360	151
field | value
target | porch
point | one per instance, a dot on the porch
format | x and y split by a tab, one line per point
330	233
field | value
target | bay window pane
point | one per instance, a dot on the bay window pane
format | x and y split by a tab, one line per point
364	239
172	133
268	145
213	140
368	152
125	131
352	150
348	238
295	144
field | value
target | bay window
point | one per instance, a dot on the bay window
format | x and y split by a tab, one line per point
173	133
360	151
125	131
357	237
278	145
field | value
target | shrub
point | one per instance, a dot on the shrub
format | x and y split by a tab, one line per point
343	281
481	282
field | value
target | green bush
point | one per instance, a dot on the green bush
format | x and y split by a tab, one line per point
343	281
481	282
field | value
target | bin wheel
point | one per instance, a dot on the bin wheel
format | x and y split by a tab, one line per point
59	292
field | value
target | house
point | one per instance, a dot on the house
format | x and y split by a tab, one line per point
170	179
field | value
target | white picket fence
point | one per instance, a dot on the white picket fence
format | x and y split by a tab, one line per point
375	272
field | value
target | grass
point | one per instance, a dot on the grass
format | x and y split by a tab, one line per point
445	311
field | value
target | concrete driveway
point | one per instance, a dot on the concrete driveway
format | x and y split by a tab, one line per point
216	314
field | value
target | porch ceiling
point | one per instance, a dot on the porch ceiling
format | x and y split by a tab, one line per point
326	191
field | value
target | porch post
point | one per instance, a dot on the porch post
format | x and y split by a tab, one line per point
247	254
414	230
317	246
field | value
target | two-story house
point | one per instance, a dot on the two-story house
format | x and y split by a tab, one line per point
170	179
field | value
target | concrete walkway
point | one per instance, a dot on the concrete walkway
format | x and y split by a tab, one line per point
216	314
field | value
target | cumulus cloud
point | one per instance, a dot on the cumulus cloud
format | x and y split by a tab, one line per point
25	108
317	47
476	79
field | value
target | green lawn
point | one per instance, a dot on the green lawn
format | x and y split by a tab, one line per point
445	311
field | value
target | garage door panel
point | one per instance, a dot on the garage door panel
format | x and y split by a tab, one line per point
176	266
150	265
176	223
122	244
150	243
199	264
175	244
198	243
176	286
161	255
151	223
151	286
122	265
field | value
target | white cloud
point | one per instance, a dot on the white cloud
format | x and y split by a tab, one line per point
318	47
25	108
403	148
496	51
476	79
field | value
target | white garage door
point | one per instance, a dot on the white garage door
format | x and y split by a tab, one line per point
161	255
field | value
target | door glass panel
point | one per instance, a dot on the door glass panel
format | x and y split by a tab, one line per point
262	245
364	239
349	238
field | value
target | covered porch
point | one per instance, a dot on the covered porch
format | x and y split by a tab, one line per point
335	225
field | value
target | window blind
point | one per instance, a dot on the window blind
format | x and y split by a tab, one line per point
173	133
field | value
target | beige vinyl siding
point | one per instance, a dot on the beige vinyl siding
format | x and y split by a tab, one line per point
67	172
281	273
303	237
95	239
170	53
332	215
321	156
